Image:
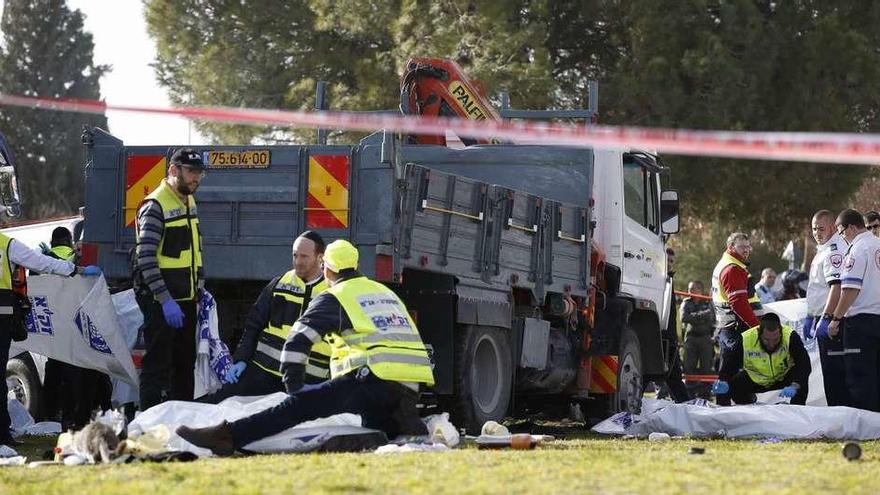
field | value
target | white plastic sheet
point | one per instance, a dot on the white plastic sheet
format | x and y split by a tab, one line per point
73	320
130	318
756	421
300	438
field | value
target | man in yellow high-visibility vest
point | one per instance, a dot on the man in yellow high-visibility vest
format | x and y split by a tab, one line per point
377	364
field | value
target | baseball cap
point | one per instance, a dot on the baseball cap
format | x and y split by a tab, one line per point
340	255
188	158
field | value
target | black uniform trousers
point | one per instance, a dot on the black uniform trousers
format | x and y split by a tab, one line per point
831	355
743	389
170	356
380	404
862	342
727	338
5	342
253	381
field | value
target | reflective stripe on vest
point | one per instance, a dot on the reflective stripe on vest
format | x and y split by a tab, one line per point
290	297
720	301
179	254
383	337
6	295
762	367
64	253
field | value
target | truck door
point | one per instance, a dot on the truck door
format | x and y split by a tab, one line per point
644	255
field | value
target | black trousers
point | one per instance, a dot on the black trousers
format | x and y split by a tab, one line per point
5	342
382	405
75	393
743	389
253	381
862	342
831	355
727	338
170	355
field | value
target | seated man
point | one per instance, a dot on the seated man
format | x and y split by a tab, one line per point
257	367
769	357
378	361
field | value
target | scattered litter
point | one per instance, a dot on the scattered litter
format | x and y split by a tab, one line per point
19	417
852	451
16	460
411	447
36	464
493	428
697	450
657	436
113	418
441	430
770	440
520	441
7	451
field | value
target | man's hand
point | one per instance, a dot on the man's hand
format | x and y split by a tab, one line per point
173	314
720	387
45	249
789	391
234	372
833	328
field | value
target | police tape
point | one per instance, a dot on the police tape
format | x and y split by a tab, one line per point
784	146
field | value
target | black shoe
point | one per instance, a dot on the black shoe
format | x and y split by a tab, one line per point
217	439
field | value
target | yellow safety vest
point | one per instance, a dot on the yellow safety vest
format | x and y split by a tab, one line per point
180	253
383	337
290	297
765	368
65	253
724	314
7	298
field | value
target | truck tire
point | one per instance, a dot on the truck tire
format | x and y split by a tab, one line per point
25	385
483	376
629	374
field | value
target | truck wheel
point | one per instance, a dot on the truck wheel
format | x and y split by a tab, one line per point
483	376
25	384
629	374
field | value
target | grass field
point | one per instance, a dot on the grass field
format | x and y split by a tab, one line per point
581	465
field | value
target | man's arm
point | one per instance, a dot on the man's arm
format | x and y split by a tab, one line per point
802	366
151	225
22	255
735	282
833	299
257	320
323	316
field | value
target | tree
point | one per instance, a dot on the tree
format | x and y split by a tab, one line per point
46	53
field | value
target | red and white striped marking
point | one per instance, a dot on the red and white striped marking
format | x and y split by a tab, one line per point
808	147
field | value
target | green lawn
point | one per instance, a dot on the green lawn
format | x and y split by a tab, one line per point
584	465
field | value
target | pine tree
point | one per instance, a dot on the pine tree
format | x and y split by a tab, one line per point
45	52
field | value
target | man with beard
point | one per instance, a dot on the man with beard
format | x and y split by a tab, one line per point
169	259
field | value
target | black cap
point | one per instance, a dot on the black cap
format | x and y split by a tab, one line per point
188	158
770	320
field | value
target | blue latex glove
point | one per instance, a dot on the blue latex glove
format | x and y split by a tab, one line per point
788	392
822	328
173	314
45	249
720	387
807	327
92	271
235	371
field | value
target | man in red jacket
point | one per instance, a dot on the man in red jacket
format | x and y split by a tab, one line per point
737	307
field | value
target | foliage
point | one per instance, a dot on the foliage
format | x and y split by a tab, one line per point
46	53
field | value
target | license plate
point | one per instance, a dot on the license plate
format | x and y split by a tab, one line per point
237	159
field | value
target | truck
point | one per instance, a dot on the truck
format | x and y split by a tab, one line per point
536	274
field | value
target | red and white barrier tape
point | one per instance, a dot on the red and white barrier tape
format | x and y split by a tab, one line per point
808	147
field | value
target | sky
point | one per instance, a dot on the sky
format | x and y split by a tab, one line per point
121	41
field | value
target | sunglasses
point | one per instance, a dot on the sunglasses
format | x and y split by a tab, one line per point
873	226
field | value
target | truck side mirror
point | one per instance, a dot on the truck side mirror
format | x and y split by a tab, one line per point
669	212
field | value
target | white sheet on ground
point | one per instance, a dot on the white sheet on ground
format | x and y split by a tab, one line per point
783	421
301	438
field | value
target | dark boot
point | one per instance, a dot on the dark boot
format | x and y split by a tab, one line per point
406	416
217	439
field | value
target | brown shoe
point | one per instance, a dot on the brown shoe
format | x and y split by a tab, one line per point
217	439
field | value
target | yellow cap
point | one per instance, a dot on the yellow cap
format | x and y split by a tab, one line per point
340	255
